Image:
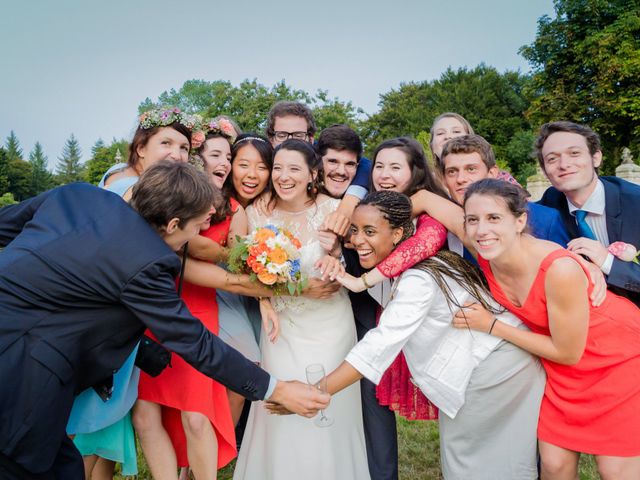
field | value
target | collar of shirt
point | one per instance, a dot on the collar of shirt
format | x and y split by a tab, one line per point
594	204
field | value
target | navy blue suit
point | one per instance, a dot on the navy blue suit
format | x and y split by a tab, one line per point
380	431
621	200
546	224
81	277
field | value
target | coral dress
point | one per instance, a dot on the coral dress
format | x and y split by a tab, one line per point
182	388
593	406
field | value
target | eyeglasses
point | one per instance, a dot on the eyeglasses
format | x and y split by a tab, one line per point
282	136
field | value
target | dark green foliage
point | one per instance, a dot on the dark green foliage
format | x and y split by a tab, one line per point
41	177
586	64
69	168
104	156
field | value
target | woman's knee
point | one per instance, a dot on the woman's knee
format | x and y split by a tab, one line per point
195	423
611	468
558	465
146	416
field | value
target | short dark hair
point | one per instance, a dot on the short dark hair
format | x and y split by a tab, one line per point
421	175
286	108
339	137
142	136
469	144
170	190
548	129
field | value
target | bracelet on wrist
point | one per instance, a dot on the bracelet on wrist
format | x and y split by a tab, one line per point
363	277
495	319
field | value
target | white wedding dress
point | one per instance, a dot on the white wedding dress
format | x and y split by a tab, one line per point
292	447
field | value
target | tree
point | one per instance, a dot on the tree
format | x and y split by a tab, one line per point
6	199
586	64
4	171
19	174
41	177
249	102
103	157
493	103
13	147
69	168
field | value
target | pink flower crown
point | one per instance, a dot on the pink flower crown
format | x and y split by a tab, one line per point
221	126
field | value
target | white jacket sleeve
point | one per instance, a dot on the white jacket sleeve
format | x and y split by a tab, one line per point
401	318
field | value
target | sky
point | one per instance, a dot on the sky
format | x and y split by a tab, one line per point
84	66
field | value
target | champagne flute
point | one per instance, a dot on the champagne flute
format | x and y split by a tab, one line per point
317	378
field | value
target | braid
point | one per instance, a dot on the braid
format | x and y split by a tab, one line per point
449	264
395	208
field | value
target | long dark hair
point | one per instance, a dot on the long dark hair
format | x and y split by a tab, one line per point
421	175
396	209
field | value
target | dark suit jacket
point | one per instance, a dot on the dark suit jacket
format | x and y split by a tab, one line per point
622	199
81	277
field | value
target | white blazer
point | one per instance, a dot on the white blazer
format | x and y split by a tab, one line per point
417	321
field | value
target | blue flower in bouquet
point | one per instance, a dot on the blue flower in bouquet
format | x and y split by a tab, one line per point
273	228
295	266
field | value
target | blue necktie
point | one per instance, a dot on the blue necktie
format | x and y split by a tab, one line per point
583	227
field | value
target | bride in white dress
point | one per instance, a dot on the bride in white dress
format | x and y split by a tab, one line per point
311	331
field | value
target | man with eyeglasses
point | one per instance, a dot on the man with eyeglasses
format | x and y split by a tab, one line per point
288	120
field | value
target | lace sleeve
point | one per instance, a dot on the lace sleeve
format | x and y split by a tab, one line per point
429	238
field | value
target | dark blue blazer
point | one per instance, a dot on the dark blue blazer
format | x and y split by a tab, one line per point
81	277
622	198
546	224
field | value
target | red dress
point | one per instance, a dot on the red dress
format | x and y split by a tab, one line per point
395	389
182	388
593	406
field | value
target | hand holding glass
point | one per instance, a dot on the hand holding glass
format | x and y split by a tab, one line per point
317	378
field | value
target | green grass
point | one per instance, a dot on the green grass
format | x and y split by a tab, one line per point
419	455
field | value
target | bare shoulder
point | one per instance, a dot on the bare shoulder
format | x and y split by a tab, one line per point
565	276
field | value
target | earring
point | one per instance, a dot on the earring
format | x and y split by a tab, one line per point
309	186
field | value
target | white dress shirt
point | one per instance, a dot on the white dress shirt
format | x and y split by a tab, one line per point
417	321
597	220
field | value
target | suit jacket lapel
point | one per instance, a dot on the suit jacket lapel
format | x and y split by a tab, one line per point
612	210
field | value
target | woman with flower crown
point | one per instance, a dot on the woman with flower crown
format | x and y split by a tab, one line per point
103	428
311	332
182	405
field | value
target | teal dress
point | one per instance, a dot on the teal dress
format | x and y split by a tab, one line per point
104	428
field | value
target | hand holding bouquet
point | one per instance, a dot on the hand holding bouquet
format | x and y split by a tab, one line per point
270	255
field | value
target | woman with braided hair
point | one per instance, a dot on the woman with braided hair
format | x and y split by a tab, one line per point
488	391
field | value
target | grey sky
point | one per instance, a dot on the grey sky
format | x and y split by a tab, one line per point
84	66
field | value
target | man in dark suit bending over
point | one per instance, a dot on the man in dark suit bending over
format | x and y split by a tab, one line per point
82	275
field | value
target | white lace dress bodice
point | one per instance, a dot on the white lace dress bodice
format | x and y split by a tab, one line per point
311	331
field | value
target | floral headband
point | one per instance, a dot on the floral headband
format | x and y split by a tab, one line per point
221	126
159	117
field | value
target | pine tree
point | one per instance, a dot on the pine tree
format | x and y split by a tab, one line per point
69	168
13	147
4	171
41	178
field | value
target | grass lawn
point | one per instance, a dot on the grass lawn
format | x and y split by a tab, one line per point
419	455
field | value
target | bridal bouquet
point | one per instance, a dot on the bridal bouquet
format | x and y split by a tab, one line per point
270	255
